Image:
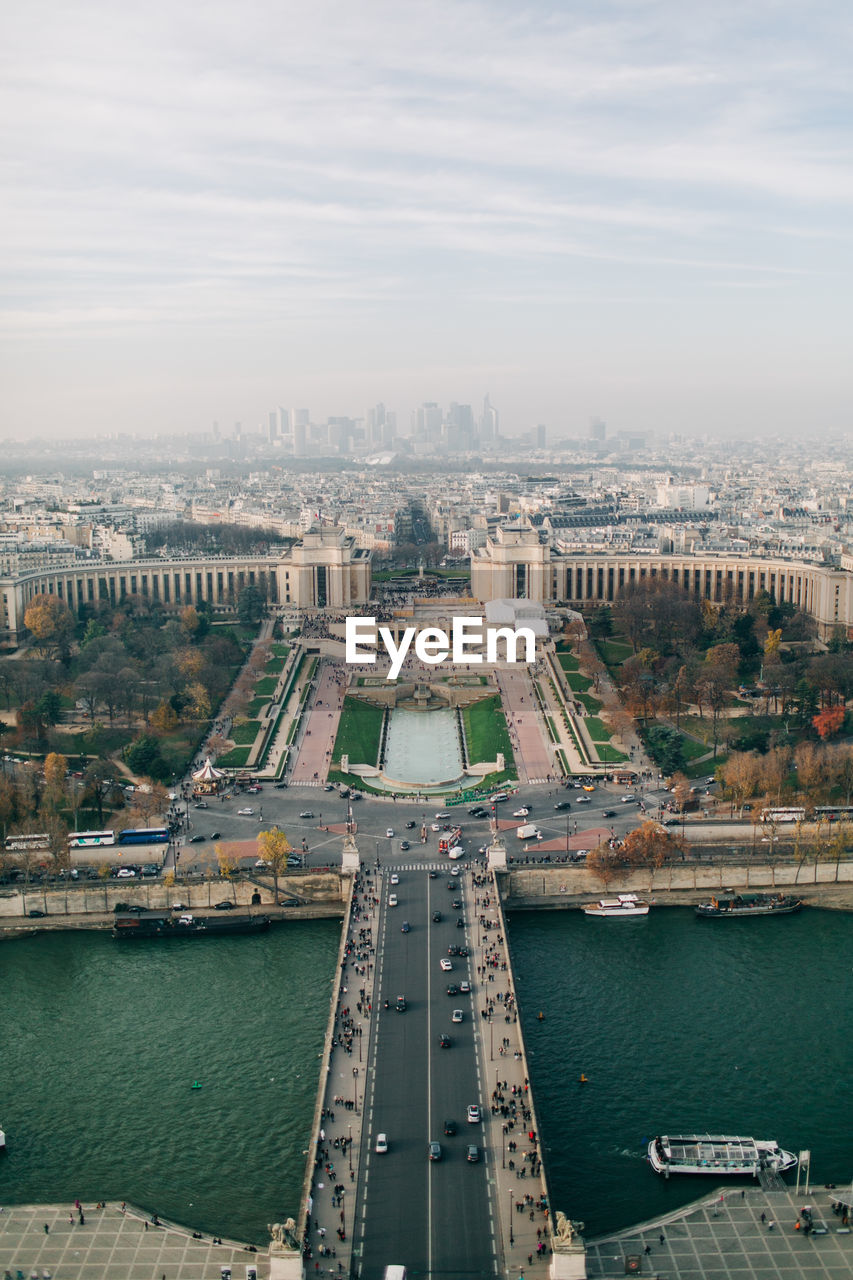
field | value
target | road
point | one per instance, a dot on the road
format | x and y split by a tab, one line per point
414	1211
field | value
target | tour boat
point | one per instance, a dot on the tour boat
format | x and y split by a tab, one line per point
2	1140
155	924
755	904
719	1156
626	904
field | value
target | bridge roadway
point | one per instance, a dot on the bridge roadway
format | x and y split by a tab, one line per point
434	1217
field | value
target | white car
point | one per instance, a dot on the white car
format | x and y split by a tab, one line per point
381	1144
458	852
446	965
628	798
390	833
443	813
125	873
473	1114
245	813
457	1015
436	826
395	879
392	900
465	987
521	813
454	871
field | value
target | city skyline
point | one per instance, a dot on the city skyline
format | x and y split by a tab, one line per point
637	212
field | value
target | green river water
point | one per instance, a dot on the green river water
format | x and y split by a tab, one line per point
737	1026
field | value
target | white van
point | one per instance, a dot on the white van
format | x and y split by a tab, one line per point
529	831
395	1273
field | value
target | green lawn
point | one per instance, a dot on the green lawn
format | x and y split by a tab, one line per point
589	701
486	731
256	706
267	685
358	732
234	759
274	667
578	683
614	652
244	734
568	661
597	729
281	650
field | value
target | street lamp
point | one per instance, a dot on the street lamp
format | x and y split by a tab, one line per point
491	1040
511	1236
503	1146
349	1146
355	1089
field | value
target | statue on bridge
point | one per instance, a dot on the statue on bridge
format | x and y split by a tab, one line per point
565	1233
283	1235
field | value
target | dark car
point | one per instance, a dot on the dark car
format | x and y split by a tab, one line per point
216	835
435	1151
608	813
460	923
463	951
562	804
410	826
452	951
128	907
449	1128
453	884
453	990
197	839
289	902
404	845
433	875
279	786
436	917
456	904
472	1153
444	1042
225	905
400	1006
36	914
405	927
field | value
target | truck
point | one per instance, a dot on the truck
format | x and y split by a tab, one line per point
528	831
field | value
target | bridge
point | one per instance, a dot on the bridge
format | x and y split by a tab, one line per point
423	1027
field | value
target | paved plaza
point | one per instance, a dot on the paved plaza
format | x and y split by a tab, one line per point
723	1237
113	1245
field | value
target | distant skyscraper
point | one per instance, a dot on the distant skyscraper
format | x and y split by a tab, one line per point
273	427
598	430
489	422
283	421
541	435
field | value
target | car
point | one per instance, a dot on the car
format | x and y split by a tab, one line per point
131	907
178	906
443	813
457	1015
454	871
563	804
670	822
450	1128
460	923
307	813
465	987
329	787
608	813
392	900
404	846
463	951
478	812
289	902
584	800
445	964
125	873
436	917
435	1151
253	791
523	812
433	875
395	879
389	833
201	804
587	786
279	786
498	797
381	1144
245	813
580	855
458	852
452	951
473	1114
216	835
261	864
452	989
197	839
709	781
452	885
410	826
225	905
436	826
405	927
35	914
401	1006
294	860
472	1153
444	1042
628	798
456	904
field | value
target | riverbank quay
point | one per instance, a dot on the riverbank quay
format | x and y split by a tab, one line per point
67	1242
732	1234
14	927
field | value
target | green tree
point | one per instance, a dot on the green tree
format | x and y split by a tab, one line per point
250	605
144	758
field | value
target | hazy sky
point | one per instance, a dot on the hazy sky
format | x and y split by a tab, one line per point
635	209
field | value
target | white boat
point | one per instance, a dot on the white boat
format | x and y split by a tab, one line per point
626	904
2	1140
717	1155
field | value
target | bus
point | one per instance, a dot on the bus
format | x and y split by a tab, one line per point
449	840
783	815
90	839
835	812
21	841
143	835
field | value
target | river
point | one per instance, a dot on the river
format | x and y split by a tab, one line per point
729	1026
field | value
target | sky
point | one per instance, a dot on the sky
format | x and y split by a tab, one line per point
633	209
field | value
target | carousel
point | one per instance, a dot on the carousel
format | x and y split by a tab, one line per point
208	781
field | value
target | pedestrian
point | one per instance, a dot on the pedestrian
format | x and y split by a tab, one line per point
46	1229
662	1238
764	1217
647	1249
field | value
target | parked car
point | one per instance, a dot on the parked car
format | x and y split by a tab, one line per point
225	905
36	914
